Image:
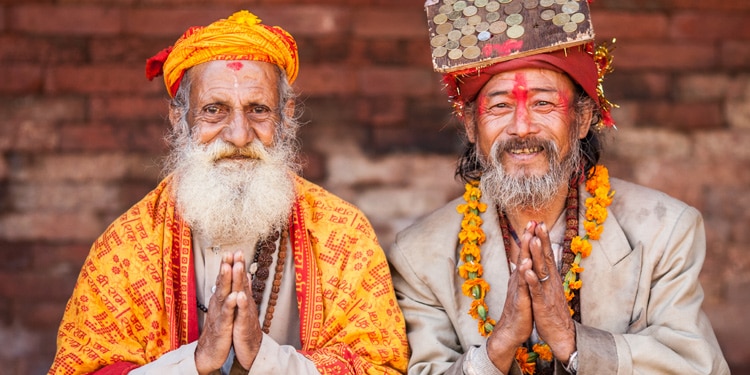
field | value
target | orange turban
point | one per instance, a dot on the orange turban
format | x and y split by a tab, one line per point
239	37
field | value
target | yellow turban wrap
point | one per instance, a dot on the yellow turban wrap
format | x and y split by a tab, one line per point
239	37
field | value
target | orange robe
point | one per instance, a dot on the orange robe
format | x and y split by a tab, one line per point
135	296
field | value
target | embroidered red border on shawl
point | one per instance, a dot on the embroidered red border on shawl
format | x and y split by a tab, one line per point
306	280
179	276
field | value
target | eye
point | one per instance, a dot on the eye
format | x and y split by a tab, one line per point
260	109
212	109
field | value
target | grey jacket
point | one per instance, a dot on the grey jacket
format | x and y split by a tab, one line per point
640	300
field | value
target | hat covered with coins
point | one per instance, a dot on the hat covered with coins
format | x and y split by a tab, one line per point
474	39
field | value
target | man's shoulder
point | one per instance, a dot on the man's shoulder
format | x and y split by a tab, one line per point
316	198
629	195
440	226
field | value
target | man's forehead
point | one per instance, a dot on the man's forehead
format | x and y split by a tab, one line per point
529	79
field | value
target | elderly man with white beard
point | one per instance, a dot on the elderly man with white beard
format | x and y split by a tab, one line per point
233	264
545	265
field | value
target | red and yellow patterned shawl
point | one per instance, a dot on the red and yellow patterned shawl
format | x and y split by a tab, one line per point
135	296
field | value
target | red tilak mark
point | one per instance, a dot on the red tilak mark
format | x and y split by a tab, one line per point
521	92
235	65
502	49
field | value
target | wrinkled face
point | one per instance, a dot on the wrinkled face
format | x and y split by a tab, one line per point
523	112
235	101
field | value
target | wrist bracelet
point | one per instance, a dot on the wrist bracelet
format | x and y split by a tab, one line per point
572	366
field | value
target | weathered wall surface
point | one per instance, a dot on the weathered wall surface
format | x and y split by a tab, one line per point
81	129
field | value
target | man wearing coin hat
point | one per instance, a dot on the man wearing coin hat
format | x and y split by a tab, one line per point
546	264
233	264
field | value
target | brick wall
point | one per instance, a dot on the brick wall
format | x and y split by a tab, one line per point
81	129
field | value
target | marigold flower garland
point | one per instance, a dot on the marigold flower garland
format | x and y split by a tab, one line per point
471	237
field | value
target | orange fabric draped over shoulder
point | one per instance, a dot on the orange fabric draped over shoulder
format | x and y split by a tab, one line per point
135	296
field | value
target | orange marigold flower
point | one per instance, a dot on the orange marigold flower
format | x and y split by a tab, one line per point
593	230
569	295
522	358
580	245
468	285
596	213
467	268
475	306
544	351
576	268
471	249
576	284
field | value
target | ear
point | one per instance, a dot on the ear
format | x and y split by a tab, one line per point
174	115
585	124
289	108
470	124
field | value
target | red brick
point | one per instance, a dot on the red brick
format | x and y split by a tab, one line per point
46	109
91	137
384	23
65	20
50	226
299	21
684	116
31	49
704	26
20	79
735	54
325	80
635	85
724	5
665	56
45	313
396	81
418	52
100	79
147	137
35	286
611	24
385	111
129	108
132	51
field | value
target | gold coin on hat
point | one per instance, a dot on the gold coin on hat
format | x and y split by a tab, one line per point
460	23
472	52
492	6
468	41
570	7
455	54
514	19
561	19
480	3
570	27
515	31
578	17
444	29
470	11
504	1
454	35
452	44
439	40
512	8
561	2
439	51
492	17
454	15
459	6
498	27
445	9
440	19
547	14
449	2
468	29
482	26
475	20
530	4
546	3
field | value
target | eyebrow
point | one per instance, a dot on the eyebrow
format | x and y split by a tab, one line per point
508	92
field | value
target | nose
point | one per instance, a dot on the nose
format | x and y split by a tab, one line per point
522	125
239	131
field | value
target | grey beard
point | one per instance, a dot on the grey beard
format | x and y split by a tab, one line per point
231	201
523	192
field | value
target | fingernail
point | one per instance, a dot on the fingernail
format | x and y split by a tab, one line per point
537	241
525	260
544	227
528	226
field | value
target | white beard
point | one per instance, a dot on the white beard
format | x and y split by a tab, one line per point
519	192
233	200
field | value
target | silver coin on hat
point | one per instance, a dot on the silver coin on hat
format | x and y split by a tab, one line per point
492	6
468	41
439	51
438	40
455	54
547	14
444	29
484	36
480	3
530	4
546	3
468	30
475	20
470	11
570	27
514	19
578	17
512	8
460	23
570	7
492	17
459	5
498	27
482	26
561	19
440	19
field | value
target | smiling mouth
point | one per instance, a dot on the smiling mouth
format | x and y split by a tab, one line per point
526	150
